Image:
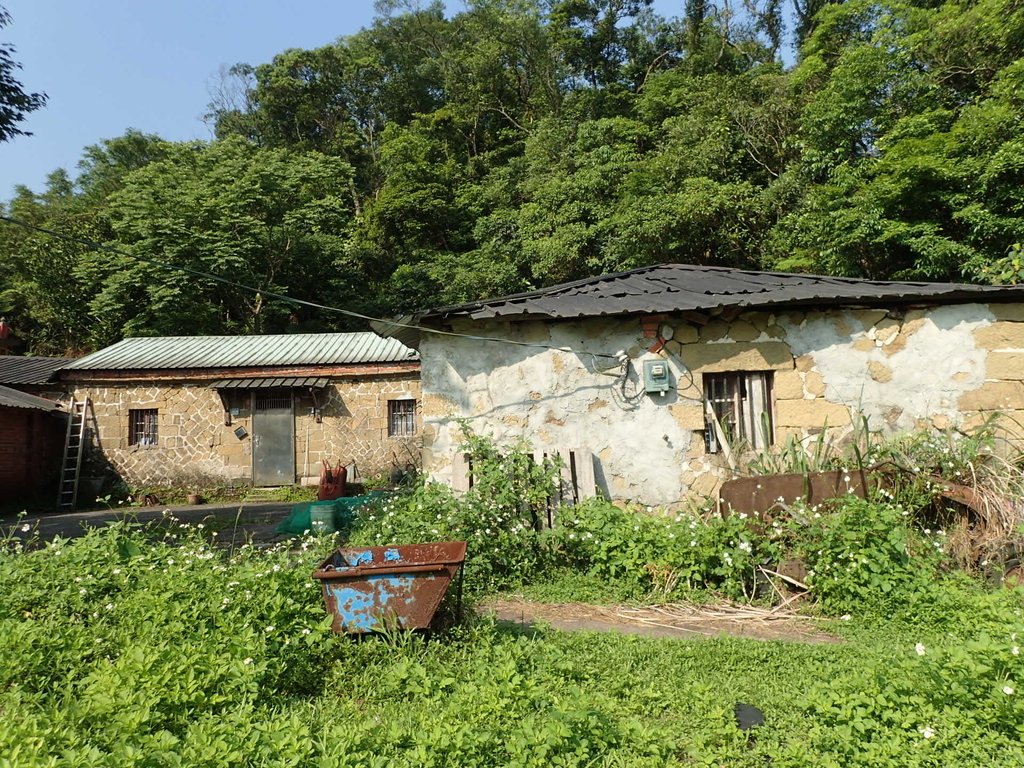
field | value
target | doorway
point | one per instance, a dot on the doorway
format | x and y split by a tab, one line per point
273	438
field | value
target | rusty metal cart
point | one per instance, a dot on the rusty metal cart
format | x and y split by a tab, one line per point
368	589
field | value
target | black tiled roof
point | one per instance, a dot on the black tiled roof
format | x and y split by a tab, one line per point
29	371
688	287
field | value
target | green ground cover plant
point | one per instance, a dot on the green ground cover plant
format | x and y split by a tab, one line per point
157	646
119	648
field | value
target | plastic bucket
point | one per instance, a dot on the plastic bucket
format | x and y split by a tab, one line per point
321	517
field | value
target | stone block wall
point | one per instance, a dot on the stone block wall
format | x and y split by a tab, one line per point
354	429
196	448
900	369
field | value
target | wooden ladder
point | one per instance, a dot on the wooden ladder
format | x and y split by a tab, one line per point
74	447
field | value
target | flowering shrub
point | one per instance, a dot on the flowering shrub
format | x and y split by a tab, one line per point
861	553
661	552
499	517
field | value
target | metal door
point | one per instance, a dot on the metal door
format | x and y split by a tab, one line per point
273	438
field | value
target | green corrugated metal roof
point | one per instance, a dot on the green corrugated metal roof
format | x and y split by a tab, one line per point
181	352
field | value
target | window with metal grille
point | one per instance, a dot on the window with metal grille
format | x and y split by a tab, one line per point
401	418
738	409
142	426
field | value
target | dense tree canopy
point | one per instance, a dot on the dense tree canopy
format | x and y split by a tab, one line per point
15	104
431	159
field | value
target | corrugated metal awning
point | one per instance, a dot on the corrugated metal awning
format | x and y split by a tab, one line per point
281	382
33	371
15	399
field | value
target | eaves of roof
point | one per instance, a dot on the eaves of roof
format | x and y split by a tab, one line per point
691	288
12	398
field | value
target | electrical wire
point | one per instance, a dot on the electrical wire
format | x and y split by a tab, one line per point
95	245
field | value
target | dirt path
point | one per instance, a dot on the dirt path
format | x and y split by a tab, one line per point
675	621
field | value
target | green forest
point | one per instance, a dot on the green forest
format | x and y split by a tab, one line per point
435	158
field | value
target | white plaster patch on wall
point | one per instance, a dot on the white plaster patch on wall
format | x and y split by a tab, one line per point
937	363
556	398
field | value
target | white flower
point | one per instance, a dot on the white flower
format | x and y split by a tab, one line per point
927	732
82	591
116	571
1008	690
845	617
109	606
745	546
1015	651
920	649
26	528
270	628
248	661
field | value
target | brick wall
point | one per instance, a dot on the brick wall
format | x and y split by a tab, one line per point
31	443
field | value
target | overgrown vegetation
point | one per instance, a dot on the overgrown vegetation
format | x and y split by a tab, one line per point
161	647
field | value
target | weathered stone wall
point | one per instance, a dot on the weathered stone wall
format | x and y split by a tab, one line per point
196	447
950	366
355	428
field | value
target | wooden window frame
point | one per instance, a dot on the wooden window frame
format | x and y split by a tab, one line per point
742	402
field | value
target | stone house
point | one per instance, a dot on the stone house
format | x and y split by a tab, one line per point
664	372
265	410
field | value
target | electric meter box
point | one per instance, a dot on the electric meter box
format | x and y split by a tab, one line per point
657	378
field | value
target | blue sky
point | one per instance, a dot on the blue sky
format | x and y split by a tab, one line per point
110	65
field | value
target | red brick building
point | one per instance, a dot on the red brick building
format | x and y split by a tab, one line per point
32	431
